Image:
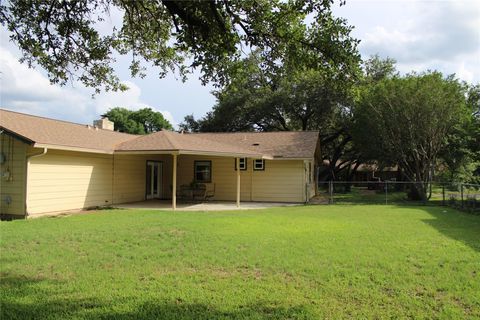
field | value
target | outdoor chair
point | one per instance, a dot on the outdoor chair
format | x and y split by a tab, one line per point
199	192
184	193
210	193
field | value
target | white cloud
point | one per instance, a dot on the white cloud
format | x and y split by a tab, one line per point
130	99
18	78
168	115
421	35
464	73
27	90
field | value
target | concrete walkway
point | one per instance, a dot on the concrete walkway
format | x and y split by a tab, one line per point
201	206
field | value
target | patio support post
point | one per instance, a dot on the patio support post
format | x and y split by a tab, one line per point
238	181
174	182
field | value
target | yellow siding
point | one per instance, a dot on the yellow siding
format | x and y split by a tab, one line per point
281	181
14	187
224	176
63	180
130	177
310	178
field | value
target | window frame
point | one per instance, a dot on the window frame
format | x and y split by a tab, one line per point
245	161
195	171
255	165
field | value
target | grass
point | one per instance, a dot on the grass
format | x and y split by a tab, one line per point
309	262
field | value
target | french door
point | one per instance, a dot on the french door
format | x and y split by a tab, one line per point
154	179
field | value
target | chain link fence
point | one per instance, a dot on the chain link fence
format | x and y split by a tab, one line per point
458	195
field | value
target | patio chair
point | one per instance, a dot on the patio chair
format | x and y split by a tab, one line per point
210	193
184	193
199	191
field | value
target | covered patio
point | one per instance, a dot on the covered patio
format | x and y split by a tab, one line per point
155	204
179	167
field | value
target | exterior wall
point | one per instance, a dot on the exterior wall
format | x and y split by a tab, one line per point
224	176
281	181
130	177
13	188
64	180
310	178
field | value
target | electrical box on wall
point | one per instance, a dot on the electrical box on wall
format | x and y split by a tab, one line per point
6	175
7	199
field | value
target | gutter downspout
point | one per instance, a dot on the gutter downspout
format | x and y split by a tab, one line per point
44	152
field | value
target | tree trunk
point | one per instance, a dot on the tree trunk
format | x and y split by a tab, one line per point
418	191
399	186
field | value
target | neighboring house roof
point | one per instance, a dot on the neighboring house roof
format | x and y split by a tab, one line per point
279	144
45	132
365	166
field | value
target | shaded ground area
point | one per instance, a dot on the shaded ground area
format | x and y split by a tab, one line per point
202	206
302	262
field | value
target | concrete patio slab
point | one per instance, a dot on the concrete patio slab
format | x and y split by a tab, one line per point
201	206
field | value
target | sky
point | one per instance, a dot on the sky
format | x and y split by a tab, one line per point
419	35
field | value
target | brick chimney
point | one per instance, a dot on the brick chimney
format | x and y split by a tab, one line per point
103	123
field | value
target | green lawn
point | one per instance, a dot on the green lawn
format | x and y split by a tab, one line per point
286	263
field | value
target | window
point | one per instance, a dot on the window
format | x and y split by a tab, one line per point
258	164
242	165
203	171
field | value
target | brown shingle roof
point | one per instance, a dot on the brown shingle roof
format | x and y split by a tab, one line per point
44	131
61	133
280	144
168	140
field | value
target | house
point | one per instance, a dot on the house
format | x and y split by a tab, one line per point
50	166
363	172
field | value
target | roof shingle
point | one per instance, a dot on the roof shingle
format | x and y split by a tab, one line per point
44	131
61	133
168	140
279	144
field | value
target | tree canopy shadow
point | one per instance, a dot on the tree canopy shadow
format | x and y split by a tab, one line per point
46	305
455	224
174	310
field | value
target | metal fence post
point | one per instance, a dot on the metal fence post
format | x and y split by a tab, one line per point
386	192
330	189
443	194
461	193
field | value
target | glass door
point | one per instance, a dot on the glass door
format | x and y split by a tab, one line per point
154	179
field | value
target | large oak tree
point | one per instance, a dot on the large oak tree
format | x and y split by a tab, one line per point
66	37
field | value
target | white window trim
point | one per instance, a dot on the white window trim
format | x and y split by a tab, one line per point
255	162
242	168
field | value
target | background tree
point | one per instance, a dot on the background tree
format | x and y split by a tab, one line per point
64	37
460	157
298	96
142	121
310	99
376	69
404	121
341	154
